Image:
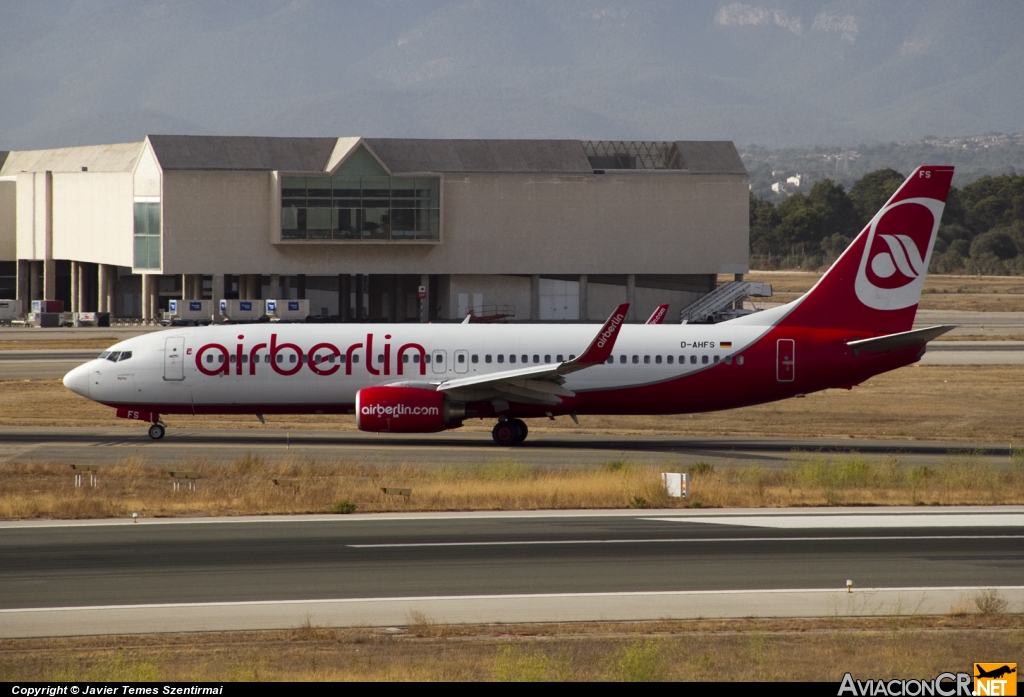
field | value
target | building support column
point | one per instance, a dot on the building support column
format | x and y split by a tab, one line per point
275	287
111	288
425	301
80	289
144	299
74	287
535	298
300	286
154	298
631	297
584	293
217	291
24	293
102	287
186	287
49	279
35	276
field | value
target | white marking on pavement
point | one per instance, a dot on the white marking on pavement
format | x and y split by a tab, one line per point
701	540
922	520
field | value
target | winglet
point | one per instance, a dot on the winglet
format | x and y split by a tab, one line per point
659	315
601	347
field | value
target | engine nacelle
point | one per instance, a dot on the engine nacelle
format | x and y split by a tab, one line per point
405	410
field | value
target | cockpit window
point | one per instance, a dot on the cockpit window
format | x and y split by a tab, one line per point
113	356
125	355
104	355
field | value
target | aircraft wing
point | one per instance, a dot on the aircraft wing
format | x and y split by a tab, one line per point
659	315
891	342
541	384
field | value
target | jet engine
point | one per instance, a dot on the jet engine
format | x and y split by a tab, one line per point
406	410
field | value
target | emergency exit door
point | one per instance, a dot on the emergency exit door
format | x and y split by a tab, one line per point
174	358
786	360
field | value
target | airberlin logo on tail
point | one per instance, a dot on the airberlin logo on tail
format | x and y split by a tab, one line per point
896	254
608	333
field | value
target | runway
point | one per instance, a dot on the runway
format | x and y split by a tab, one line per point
82	577
562	450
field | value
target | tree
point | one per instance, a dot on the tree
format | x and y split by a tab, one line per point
871	191
997	243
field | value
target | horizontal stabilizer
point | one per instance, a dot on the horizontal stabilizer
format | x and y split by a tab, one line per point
891	342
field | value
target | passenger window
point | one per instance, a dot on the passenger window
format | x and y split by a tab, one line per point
501	358
657	359
572	356
668	359
113	356
647	359
355	358
460	358
426	358
245	359
220	358
342	358
693	359
739	360
209	358
536	358
622	358
559	358
704	360
511	358
526	359
487	358
380	357
476	358
717	358
291	358
547	357
416	358
728	360
636	359
405	358
611	359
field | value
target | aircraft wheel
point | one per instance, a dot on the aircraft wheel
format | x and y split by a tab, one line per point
523	430
505	433
156	431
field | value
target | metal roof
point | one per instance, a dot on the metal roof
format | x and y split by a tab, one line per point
710	157
456	155
116	157
243	153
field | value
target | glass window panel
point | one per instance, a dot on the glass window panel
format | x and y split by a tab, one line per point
153	244
318	187
376	192
403	193
293	234
346	191
376	224
141	219
154	218
293	186
289	219
403	224
361	162
141	258
428	223
345	224
318	218
428	193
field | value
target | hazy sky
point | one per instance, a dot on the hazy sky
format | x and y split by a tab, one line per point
797	72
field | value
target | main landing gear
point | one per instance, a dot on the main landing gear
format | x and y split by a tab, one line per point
156	431
509	432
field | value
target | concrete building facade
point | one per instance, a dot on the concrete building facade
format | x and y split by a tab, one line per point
536	230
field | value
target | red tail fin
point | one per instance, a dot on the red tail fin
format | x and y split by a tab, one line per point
875	285
659	315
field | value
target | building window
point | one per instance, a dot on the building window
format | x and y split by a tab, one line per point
360	202
147	235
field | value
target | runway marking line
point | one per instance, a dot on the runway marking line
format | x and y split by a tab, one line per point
505	543
883	520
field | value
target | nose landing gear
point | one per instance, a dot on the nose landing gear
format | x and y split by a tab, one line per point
509	432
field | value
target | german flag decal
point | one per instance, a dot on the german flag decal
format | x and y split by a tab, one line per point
725	344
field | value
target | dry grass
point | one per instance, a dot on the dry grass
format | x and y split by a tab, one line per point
305	485
712	651
961	403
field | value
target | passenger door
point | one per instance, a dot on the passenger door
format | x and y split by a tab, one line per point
174	358
462	361
439	362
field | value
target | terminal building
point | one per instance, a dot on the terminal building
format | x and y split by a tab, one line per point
526	230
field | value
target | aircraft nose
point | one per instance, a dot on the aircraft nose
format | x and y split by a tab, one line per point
78	380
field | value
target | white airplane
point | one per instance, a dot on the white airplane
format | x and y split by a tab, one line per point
854	323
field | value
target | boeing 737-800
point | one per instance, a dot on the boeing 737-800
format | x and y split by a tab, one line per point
856	322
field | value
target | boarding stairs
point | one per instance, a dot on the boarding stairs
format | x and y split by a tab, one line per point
724	296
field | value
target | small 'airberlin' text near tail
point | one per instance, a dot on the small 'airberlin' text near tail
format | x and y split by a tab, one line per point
875	285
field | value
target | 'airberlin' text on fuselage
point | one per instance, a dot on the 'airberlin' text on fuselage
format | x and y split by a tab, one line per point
322	358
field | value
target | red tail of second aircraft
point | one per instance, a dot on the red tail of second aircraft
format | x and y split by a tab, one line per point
875	285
